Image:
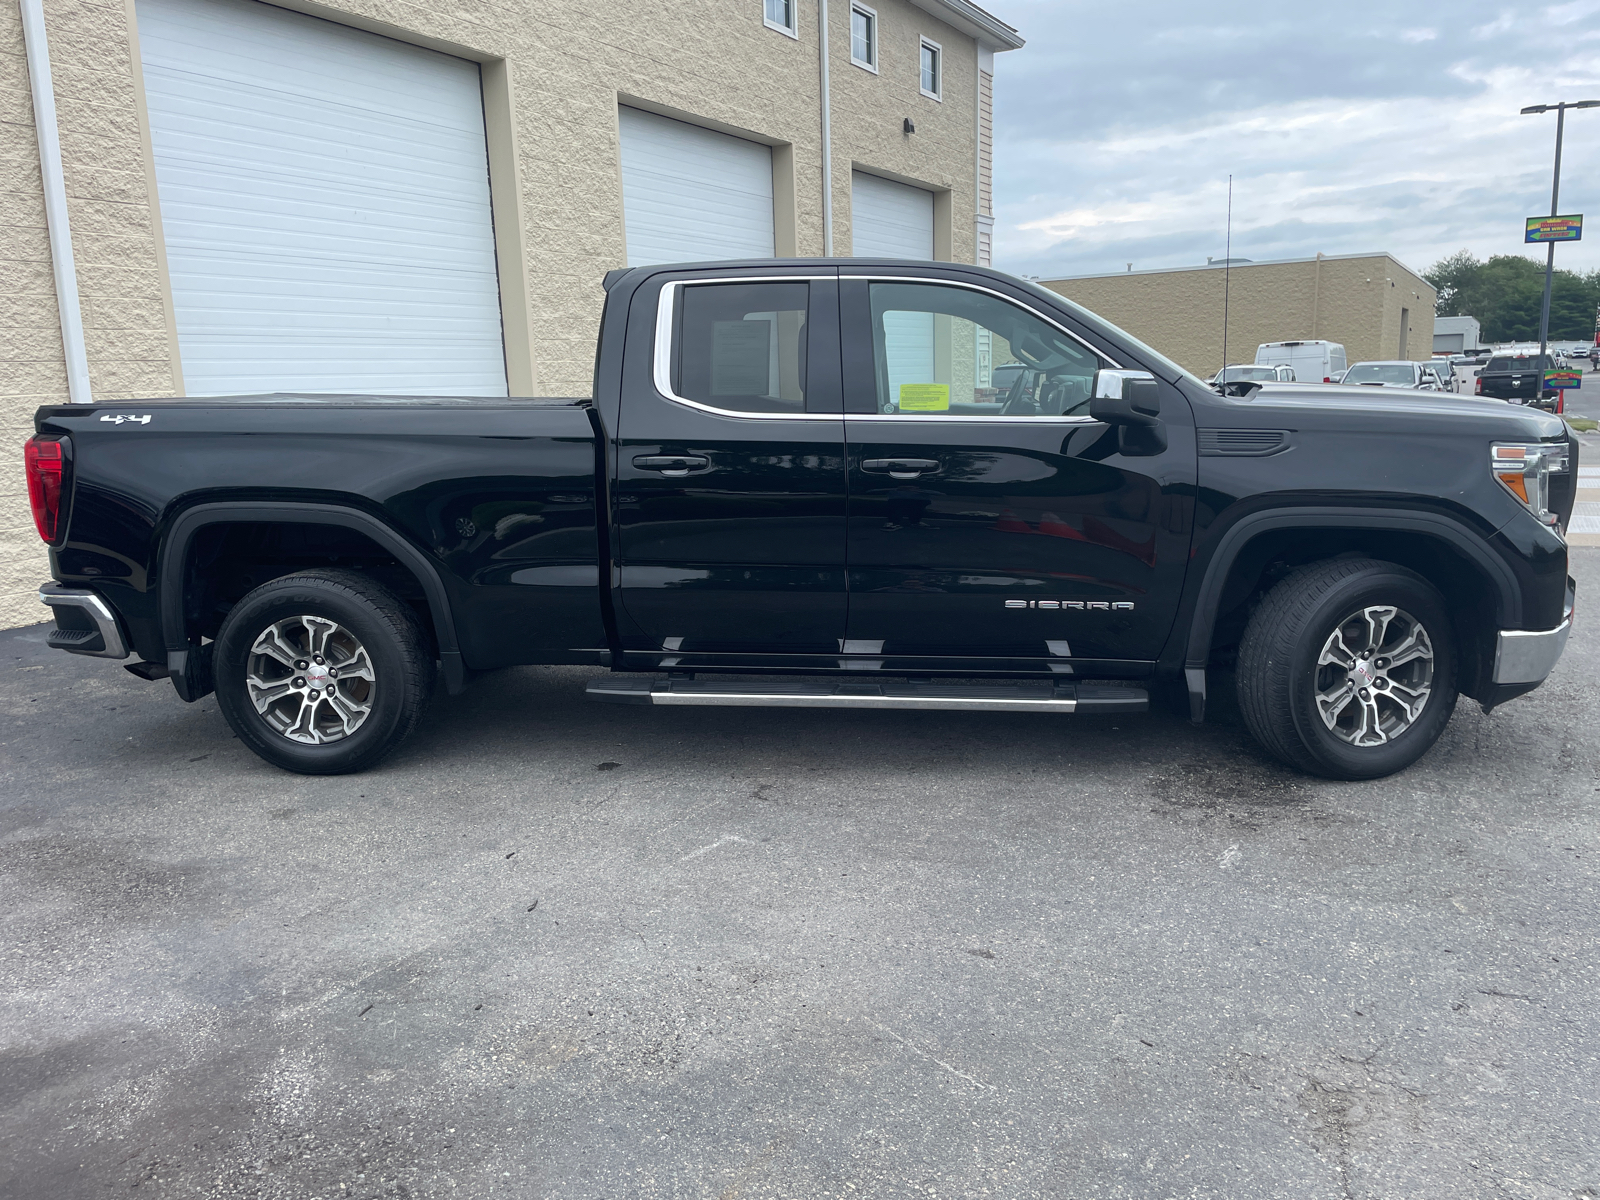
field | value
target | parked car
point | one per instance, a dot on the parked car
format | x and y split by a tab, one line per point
1394	373
1445	368
765	483
1311	360
1513	377
1236	380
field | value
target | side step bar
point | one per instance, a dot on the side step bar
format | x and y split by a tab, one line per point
826	693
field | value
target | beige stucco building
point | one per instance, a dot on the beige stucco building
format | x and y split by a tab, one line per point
1373	304
385	196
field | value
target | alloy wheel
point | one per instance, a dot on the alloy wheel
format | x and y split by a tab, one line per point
1374	675
311	679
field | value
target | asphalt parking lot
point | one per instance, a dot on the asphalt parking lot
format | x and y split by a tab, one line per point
556	949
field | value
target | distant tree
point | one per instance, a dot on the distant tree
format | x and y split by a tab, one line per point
1506	292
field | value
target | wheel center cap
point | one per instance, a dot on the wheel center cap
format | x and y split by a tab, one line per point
1363	673
316	675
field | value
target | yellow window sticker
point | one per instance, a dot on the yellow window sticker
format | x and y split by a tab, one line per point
924	397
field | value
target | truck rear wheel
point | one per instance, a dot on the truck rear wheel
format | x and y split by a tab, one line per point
1348	669
322	674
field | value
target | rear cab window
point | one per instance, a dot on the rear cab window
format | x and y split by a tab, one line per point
741	347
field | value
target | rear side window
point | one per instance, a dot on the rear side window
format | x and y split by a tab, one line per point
742	346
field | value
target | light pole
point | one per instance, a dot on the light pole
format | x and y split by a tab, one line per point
1550	256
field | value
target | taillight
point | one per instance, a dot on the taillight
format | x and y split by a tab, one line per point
46	467
1477	386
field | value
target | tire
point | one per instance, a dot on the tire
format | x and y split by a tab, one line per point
1308	709
268	670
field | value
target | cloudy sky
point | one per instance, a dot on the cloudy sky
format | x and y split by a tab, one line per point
1347	127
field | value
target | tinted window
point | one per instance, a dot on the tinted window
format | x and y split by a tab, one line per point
742	346
1510	363
946	351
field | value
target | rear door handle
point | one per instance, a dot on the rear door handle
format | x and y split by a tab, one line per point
672	464
900	468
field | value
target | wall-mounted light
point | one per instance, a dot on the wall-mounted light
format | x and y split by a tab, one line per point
910	126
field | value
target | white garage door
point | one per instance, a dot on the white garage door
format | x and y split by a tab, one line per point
325	198
889	219
895	220
692	194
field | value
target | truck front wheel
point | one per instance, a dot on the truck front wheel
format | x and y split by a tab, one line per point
1347	669
321	674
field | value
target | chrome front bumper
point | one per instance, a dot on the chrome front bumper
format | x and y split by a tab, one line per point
1529	655
97	632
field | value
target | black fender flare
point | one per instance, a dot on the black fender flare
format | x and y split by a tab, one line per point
1202	622
191	671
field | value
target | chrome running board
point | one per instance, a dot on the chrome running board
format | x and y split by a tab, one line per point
854	693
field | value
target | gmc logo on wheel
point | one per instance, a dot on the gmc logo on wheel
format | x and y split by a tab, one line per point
1080	605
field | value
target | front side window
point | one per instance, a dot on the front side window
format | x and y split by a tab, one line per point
864	37
931	73
780	16
742	346
946	351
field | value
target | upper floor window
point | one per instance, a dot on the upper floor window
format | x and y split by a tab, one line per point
780	15
932	69
864	36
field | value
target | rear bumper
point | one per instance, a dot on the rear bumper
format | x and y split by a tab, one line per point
1529	655
85	623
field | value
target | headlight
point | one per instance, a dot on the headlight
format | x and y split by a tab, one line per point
1525	470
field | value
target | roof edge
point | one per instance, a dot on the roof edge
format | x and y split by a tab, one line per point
987	29
1238	266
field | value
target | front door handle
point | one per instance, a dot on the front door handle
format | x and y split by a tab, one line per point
672	464
900	468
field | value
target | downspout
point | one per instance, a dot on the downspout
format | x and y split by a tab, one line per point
827	132
55	201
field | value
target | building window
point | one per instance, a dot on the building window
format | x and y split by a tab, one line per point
932	69
780	15
864	37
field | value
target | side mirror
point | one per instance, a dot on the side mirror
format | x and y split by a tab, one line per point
1130	400
1125	397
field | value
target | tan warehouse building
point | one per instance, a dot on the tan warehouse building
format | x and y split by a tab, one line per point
383	196
1372	304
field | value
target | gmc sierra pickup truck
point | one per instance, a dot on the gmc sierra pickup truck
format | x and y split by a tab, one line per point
811	483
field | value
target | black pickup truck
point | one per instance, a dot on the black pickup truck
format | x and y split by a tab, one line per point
1514	377
810	483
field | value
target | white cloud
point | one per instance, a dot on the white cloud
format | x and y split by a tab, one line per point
1339	142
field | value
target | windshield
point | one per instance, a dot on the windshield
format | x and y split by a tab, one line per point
1235	374
1381	373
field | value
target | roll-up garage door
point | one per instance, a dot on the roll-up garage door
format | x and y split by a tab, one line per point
691	194
895	220
325	198
889	219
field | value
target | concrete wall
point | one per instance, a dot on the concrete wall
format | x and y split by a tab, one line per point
1356	300
555	72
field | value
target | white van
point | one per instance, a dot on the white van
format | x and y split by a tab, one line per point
1313	362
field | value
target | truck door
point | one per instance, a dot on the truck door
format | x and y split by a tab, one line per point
1002	527
729	488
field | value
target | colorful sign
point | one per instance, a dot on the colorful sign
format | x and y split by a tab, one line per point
1554	229
924	397
1563	379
